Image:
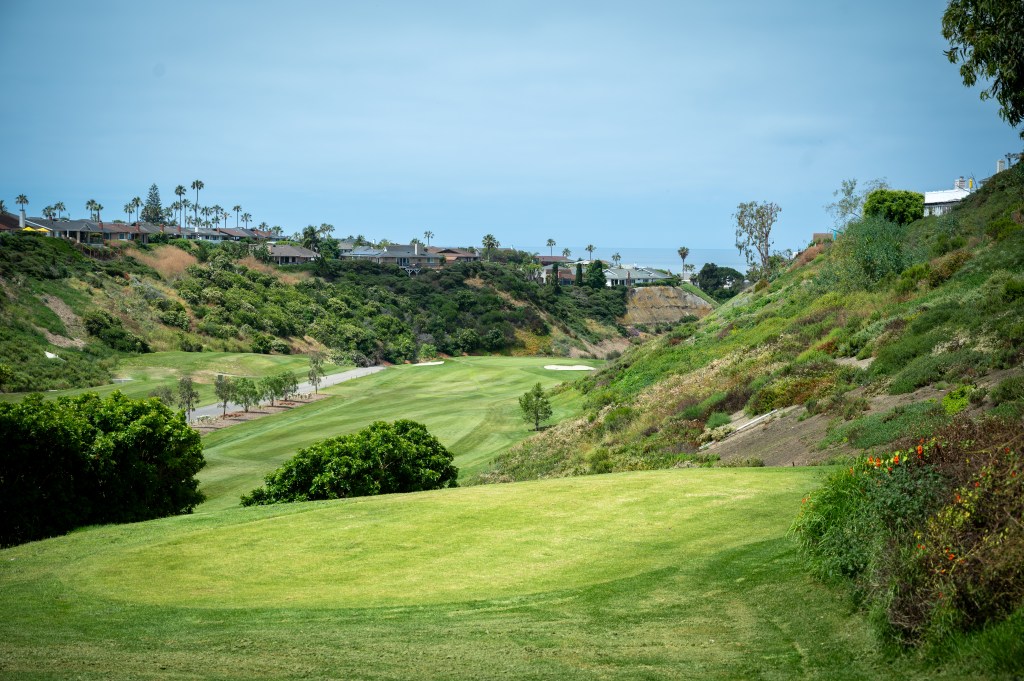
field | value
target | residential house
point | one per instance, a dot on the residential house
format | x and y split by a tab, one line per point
451	255
411	257
546	260
287	254
566	273
942	201
631	275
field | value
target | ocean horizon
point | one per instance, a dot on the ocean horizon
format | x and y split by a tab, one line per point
658	258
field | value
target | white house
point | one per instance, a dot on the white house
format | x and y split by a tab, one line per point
942	201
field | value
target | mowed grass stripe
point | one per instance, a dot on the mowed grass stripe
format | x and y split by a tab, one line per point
659	575
470	404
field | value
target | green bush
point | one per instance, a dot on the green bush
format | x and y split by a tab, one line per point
383	458
717	420
1000	229
1009	390
86	460
109	329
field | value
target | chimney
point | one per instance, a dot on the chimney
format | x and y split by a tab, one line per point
959	184
1000	165
21	219
416	248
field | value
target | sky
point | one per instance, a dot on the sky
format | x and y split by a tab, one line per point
640	123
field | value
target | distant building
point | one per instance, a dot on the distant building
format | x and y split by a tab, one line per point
944	200
287	254
410	257
449	254
631	275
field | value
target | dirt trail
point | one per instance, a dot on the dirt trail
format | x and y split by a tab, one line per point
72	322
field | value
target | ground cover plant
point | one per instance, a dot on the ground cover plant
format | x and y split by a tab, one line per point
661	575
929	539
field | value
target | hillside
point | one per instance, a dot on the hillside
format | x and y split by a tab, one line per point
66	318
885	334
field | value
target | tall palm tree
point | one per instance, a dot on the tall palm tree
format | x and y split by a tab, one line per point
180	193
128	208
551	246
246	218
90	206
428	235
136	204
3	206
60	208
98	207
566	252
616	258
22	201
590	250
489	243
197	185
237	209
683	252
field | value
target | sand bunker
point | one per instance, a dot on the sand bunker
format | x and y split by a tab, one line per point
568	367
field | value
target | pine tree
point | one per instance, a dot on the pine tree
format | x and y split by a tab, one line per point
153	212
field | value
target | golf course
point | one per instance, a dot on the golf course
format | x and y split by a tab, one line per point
684	573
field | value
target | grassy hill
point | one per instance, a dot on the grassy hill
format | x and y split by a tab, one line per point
885	311
673	574
91	314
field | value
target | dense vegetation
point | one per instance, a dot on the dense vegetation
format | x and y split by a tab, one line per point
929	538
937	302
86	460
199	296
383	458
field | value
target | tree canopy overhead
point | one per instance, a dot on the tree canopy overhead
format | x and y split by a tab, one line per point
986	37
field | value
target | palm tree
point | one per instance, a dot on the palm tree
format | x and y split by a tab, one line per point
428	235
590	249
246	218
22	201
489	243
136	204
90	206
551	246
566	252
180	192
197	185
97	207
3	206
683	252
59	207
616	258
237	209
128	207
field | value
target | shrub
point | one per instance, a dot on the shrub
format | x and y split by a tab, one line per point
86	460
929	538
382	458
717	419
945	267
1002	228
1009	390
109	329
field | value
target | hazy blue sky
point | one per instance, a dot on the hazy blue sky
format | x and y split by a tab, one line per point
616	123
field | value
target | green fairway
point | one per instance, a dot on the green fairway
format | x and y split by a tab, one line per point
654	575
156	369
469	403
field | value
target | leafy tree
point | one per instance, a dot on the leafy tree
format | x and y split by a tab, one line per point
6	374
987	38
849	202
383	458
720	283
288	384
870	250
579	274
895	205
594	277
187	395
84	460
164	394
224	389
316	370
247	393
272	388
555	284
754	223
535	406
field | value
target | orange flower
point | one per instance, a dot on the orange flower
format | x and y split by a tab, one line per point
896	459
920	450
952	556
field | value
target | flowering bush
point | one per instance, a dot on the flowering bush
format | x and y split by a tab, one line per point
930	537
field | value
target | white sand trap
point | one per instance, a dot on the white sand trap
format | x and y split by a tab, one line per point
568	367
428	364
